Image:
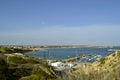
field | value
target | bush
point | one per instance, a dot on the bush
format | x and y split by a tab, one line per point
32	61
3	69
113	54
21	72
3	64
17	60
102	61
38	74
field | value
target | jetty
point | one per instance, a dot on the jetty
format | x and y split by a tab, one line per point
73	59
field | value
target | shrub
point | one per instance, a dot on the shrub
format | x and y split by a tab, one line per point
38	74
113	54
3	64
102	61
3	69
32	61
17	60
21	72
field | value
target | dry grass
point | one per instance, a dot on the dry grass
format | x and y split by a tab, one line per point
105	69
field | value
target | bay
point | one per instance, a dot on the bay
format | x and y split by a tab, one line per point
65	53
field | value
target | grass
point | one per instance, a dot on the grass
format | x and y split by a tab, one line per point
15	67
107	68
27	68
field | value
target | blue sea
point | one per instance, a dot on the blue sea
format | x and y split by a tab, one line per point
65	53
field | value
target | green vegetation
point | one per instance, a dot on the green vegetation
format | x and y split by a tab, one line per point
3	69
20	67
17	60
9	50
102	61
38	74
22	60
11	74
113	55
107	68
118	53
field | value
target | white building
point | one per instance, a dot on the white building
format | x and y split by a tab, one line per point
70	64
60	64
57	64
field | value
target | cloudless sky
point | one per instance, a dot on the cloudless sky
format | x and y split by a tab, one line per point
60	22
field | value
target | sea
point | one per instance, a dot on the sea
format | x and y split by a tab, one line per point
66	53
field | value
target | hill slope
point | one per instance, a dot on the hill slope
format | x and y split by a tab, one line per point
15	66
107	68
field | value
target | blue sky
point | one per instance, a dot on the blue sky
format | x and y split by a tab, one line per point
60	22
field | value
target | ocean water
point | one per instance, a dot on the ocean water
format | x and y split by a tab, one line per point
65	53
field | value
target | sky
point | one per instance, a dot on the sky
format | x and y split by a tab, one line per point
60	22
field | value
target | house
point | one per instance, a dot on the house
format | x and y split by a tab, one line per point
70	64
57	64
60	64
